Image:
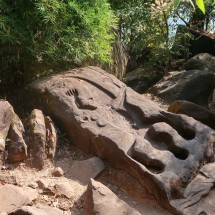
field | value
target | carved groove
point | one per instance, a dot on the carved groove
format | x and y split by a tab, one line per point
80	103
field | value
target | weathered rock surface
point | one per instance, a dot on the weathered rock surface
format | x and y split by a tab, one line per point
192	85
37	143
12	198
100	200
197	112
84	170
196	200
51	137
11	127
203	61
38	210
8	179
141	80
65	189
43	138
6	117
43	183
162	150
17	149
57	172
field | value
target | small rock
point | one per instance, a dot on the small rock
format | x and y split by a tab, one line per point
55	203
31	193
38	210
3	167
11	198
8	179
57	172
105	202
43	183
84	170
64	206
33	185
65	189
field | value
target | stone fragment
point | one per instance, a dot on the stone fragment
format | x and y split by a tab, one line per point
199	196
33	185
84	170
38	210
100	200
141	79
31	193
17	149
8	179
65	189
57	172
12	198
43	183
203	61
37	142
51	138
6	117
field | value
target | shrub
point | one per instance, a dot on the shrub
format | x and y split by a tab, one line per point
39	36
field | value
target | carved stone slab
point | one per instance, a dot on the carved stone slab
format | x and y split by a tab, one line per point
163	151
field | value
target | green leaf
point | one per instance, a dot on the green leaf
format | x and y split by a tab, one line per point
201	5
176	3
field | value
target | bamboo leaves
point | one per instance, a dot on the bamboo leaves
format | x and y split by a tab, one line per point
199	3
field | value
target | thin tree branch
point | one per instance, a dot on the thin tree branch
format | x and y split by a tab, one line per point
186	23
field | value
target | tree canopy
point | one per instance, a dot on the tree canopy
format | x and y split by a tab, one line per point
41	36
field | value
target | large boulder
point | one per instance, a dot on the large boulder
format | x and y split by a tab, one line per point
141	79
195	83
191	85
163	151
197	112
204	62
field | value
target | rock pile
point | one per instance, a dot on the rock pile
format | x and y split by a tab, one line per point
195	83
37	143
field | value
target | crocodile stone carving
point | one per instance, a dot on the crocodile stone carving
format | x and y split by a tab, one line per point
165	152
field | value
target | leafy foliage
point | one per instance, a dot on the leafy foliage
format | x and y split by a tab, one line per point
201	5
39	35
152	24
142	28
